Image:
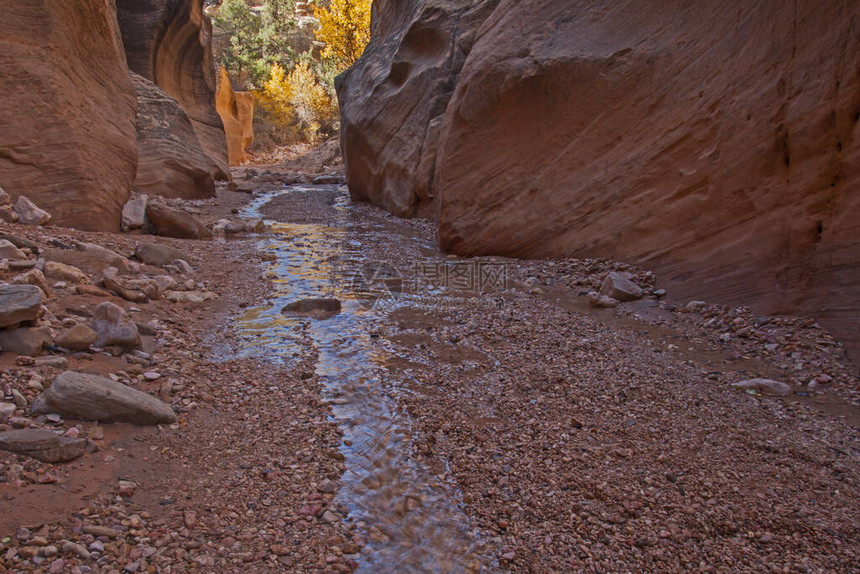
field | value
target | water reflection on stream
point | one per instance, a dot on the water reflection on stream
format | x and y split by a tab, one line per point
412	512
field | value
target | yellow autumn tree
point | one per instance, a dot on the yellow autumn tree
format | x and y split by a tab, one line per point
298	103
345	30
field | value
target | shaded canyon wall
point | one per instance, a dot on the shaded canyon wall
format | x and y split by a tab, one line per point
169	44
67	136
715	142
72	135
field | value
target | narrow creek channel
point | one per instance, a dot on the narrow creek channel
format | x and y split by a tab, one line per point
410	513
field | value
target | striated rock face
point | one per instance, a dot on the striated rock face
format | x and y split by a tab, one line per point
65	81
169	43
237	112
171	162
714	142
393	100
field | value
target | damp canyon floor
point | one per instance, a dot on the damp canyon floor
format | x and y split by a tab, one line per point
459	415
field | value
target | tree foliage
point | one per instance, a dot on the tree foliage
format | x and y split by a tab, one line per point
299	103
255	38
345	30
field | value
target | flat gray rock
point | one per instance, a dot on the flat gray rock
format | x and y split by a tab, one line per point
42	445
19	303
316	308
158	254
92	397
764	386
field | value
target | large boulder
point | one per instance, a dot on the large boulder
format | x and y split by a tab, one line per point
171	222
168	42
67	129
172	162
237	112
19	303
96	398
717	147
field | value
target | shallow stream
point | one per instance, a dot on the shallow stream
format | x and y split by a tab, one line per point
410	512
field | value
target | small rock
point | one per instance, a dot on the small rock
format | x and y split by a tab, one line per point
601	301
182	266
68	273
19	399
619	287
764	386
169	222
327	487
77	338
76	549
151	376
127	488
189	296
694	306
9	251
157	254
29	213
190	519
27	341
53	362
317	308
138	290
97	531
134	213
7	410
113	327
33	277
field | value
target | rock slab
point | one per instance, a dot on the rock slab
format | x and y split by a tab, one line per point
42	445
19	303
92	397
764	386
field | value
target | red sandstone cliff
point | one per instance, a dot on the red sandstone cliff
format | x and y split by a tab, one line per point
715	142
67	137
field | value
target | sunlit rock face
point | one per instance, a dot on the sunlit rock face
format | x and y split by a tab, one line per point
237	112
715	142
67	132
168	43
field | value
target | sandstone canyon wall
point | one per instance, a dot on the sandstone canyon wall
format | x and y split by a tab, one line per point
168	43
67	111
715	142
237	112
394	100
